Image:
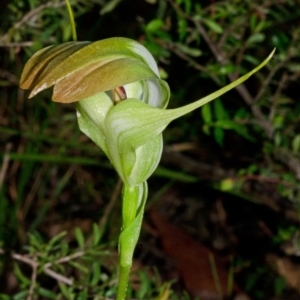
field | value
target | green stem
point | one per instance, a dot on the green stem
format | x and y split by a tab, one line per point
71	15
134	199
123	282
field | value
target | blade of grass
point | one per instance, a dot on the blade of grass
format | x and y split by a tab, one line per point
215	275
71	15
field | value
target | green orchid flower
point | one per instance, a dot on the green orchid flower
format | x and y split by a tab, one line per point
96	74
121	106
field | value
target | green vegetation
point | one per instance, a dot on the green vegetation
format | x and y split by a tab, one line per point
60	199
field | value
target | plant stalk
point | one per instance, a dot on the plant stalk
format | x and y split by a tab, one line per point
134	199
71	16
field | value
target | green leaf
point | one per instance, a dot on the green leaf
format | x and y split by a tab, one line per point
253	60
262	25
195	52
97	233
219	110
231	125
19	274
206	129
66	291
145	285
256	38
182	28
296	143
154	25
279	285
35	242
54	240
79	266
213	25
46	293
20	296
219	135
83	295
96	273
227	69
79	237
253	22
175	175
206	114
109	6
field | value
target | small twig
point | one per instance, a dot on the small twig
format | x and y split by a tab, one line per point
65	259
12	78
58	277
227	31
24	258
289	160
268	79
33	281
34	264
4	166
180	11
213	48
28	17
16	45
282	83
270	180
170	46
31	261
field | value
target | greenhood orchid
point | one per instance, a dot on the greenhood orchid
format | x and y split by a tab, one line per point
96	74
121	106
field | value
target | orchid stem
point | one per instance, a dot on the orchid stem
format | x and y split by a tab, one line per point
134	199
123	282
71	16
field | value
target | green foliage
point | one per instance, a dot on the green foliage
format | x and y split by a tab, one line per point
58	260
219	120
47	168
